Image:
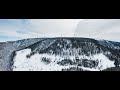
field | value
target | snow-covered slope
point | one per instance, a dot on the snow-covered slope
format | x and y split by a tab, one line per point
66	54
46	62
7	48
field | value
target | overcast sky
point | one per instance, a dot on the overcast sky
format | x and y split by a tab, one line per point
108	29
14	29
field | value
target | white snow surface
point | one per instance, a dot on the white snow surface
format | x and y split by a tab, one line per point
35	63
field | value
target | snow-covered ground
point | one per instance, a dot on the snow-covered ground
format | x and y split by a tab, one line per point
35	63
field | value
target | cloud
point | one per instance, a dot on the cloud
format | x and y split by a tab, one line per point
11	28
32	28
99	28
54	27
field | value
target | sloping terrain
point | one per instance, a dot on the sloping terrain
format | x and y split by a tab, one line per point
7	48
65	54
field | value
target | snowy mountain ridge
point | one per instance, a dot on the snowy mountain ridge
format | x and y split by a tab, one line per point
59	54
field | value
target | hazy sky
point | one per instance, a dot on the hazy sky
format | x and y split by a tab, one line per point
14	29
108	29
